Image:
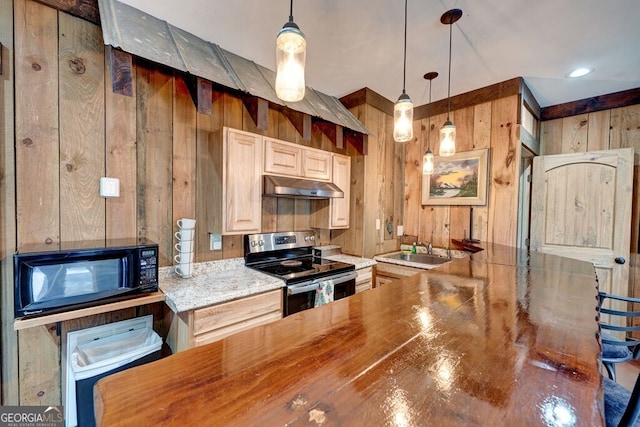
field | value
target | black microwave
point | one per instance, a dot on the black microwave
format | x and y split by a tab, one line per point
82	274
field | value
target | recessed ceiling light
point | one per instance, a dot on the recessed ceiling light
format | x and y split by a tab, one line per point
579	72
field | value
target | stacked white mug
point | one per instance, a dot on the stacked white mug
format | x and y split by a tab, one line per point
185	247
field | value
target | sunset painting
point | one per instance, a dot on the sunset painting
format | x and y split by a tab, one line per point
460	179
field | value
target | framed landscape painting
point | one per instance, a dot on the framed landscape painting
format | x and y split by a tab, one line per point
460	179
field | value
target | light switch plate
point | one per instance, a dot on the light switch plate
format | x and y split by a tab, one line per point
400	230
109	187
378	224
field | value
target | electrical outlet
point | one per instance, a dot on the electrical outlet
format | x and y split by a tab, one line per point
378	224
400	230
215	242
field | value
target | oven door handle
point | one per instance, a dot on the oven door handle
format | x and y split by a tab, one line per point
303	287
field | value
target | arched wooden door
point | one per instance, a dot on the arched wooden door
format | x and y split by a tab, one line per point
581	208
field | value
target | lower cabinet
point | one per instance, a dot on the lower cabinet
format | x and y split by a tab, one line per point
364	279
208	324
387	272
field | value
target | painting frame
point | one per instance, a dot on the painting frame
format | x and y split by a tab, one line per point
466	170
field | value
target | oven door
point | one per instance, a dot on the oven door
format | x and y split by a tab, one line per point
301	296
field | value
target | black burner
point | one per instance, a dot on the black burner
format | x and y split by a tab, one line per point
303	268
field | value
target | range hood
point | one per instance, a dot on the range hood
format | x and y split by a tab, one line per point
280	186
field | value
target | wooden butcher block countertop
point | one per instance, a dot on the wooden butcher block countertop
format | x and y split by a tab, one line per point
501	338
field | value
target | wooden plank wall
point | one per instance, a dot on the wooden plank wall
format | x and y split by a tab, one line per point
376	186
7	205
71	129
603	130
492	125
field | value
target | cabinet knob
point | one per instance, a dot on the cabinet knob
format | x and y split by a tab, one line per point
620	260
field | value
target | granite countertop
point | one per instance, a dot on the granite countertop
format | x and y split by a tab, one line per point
213	282
359	262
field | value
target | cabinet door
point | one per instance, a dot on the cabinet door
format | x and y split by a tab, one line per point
316	164
341	178
281	158
218	321
364	279
242	182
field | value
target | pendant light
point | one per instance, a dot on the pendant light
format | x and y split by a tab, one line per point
290	58
448	130
427	159
403	108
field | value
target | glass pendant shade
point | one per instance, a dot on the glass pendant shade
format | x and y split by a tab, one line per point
290	60
427	163
447	139
403	119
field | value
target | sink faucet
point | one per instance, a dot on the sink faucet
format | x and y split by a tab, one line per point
427	246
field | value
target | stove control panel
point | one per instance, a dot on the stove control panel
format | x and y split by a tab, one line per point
280	240
285	240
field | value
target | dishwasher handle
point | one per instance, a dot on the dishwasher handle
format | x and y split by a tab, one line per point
312	285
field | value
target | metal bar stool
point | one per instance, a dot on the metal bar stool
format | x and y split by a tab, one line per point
615	350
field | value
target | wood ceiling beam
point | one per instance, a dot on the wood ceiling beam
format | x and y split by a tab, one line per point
85	9
591	105
475	97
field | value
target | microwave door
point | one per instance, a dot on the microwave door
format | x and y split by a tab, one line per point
53	282
47	283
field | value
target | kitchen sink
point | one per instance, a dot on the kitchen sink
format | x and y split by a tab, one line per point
419	258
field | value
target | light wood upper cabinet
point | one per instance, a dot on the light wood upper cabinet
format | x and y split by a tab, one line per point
316	164
334	213
241	182
286	158
282	158
341	178
247	156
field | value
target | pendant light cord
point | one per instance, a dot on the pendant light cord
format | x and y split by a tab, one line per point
404	67
429	125
291	12
449	84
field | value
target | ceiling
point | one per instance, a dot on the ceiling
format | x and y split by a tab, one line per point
353	44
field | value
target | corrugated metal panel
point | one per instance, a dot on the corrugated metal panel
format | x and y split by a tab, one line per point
205	60
140	34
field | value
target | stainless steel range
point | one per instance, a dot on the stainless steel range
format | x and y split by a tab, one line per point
289	256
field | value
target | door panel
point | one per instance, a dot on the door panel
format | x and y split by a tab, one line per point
581	208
